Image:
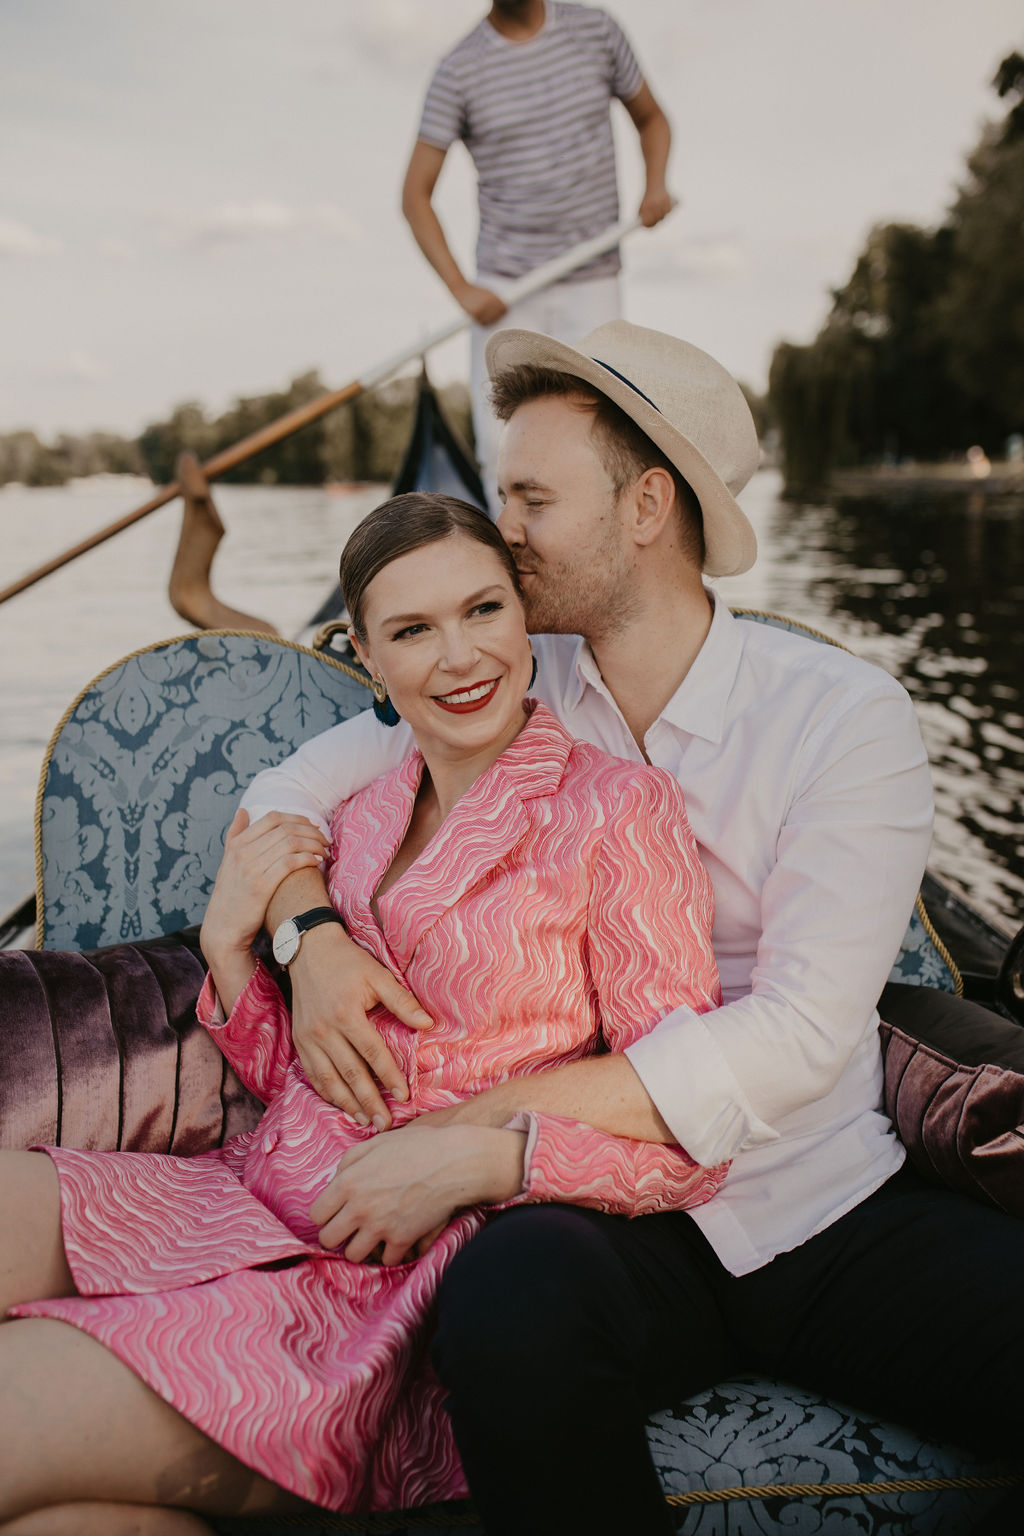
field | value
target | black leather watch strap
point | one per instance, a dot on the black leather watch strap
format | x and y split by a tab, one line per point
314	917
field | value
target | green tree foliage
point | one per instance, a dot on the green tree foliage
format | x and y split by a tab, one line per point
922	353
24	458
363	440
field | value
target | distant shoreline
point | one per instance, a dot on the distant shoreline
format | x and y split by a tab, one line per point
1002	478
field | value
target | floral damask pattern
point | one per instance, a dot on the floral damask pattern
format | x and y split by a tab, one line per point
919	962
754	1433
146	770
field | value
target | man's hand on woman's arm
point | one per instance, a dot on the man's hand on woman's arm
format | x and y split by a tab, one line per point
335	984
601	1091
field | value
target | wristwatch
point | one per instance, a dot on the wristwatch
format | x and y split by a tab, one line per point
288	935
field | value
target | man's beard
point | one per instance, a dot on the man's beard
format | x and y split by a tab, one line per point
594	600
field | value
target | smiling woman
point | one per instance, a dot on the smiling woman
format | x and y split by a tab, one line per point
544	902
457	662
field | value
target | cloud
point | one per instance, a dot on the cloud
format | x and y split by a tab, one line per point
701	260
117	250
79	368
261	218
405	34
18	240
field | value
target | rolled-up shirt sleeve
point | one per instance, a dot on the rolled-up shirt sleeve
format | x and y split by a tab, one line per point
835	906
328	769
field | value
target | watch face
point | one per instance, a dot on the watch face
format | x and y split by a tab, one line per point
286	942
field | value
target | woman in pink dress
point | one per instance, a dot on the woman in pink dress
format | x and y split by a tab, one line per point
243	1332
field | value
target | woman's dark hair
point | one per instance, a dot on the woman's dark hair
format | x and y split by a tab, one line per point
403	524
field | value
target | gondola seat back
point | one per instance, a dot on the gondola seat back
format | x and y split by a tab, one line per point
145	769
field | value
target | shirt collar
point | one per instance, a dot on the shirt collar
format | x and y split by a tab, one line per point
699	704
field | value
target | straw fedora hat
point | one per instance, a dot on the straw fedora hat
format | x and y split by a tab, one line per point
685	402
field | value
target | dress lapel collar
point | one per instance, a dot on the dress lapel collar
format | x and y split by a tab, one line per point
481	830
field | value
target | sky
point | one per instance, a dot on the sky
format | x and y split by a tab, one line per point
199	198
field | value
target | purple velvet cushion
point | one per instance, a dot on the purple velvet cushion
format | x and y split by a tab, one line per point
962	1122
102	1049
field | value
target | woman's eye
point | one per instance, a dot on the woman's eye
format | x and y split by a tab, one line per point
408	632
492	606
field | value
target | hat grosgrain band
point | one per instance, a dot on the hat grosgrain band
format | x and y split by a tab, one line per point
686	403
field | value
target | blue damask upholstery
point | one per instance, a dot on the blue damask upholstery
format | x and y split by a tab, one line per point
145	770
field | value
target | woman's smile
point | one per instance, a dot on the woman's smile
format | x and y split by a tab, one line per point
464	701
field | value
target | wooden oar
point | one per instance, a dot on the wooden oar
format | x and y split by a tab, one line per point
266	437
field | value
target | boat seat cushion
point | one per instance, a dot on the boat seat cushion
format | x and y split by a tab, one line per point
102	1049
143	774
954	1089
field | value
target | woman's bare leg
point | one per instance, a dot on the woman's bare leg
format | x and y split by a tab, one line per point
94	1519
32	1262
77	1425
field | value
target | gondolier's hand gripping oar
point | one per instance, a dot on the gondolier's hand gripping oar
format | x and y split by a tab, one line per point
285	426
532	282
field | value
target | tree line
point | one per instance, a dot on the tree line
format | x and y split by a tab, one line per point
363	440
922	354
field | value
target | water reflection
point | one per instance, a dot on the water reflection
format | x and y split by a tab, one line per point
932	589
929	589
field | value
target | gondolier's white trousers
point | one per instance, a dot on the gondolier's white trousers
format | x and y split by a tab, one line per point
566	311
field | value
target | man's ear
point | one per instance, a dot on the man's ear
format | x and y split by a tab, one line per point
654	497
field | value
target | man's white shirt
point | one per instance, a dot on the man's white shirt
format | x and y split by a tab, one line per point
808	791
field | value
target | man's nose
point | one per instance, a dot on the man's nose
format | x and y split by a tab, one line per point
510	527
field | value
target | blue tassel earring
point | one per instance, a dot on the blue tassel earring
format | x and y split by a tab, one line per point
383	708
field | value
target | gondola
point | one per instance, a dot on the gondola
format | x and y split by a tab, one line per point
799	1460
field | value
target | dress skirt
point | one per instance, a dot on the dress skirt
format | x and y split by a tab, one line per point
306	1367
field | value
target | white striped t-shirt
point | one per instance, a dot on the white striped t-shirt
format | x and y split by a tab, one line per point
536	118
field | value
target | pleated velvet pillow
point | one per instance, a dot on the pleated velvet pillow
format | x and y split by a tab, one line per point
101	1049
956	1098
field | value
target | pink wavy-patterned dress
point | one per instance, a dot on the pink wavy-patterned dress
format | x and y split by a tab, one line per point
561	907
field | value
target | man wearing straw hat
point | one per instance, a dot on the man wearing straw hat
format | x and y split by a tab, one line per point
823	1258
529	92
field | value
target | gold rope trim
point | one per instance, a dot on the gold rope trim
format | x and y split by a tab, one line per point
922	911
832	1490
781	619
144	650
929	928
468	1516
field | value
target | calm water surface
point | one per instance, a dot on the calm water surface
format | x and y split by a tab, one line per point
930	589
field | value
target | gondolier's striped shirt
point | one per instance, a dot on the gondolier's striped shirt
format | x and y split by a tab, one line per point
536	118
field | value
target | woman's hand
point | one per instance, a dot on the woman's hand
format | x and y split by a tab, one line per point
406	1185
256	859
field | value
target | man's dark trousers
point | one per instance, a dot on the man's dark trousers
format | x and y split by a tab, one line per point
560	1329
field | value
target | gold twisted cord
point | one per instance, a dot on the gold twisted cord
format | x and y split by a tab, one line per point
929	928
425	1519
832	1490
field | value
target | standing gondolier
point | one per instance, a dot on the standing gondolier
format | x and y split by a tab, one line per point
529	93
